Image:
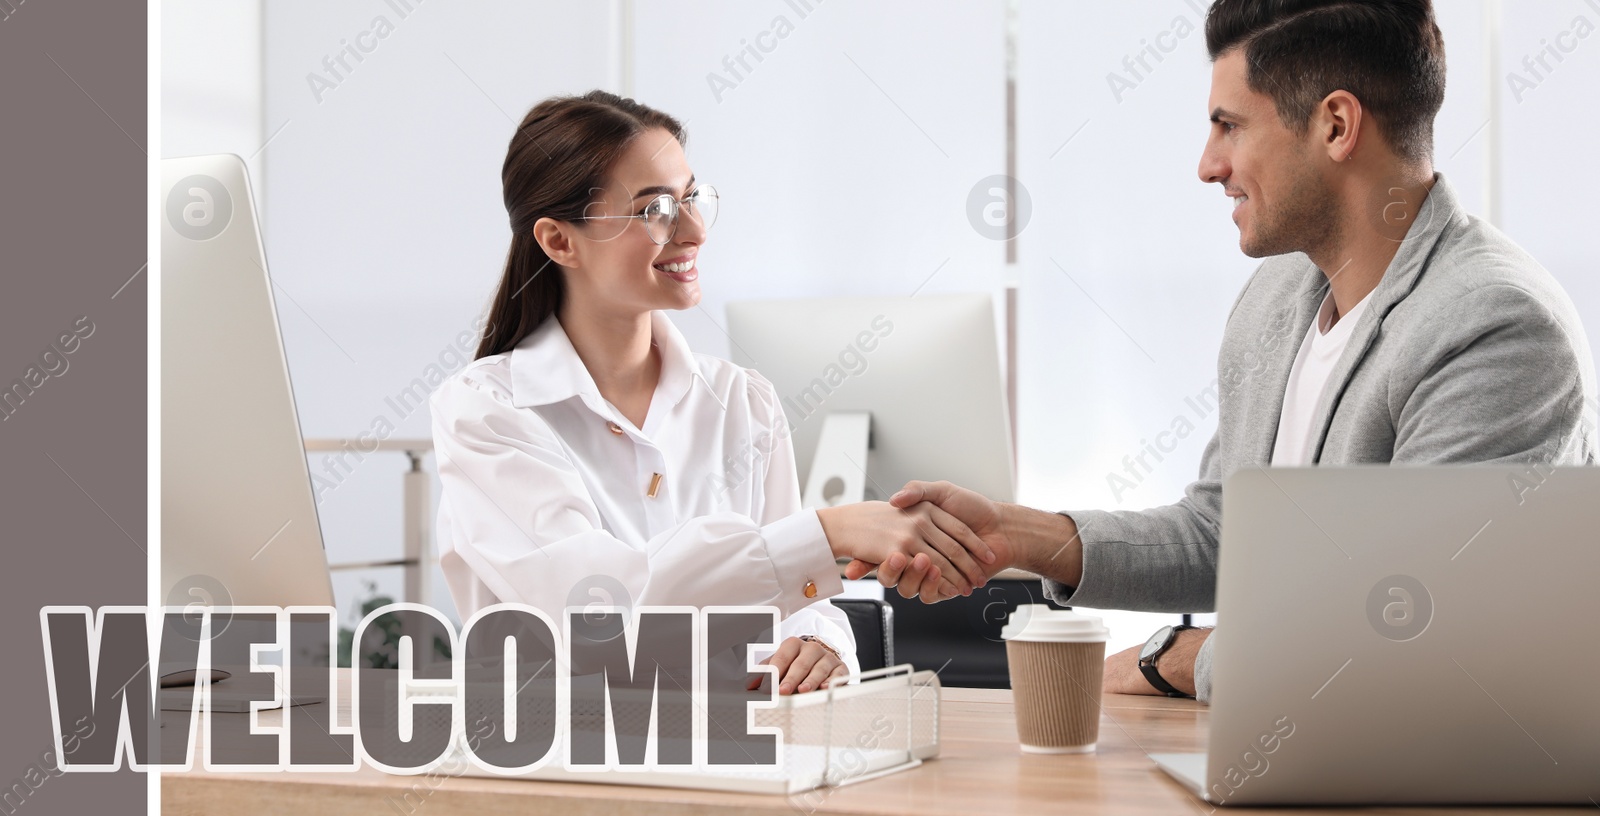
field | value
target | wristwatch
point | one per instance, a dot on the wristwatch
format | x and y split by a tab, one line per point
822	643
1153	649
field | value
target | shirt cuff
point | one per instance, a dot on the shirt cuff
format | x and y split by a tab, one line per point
800	555
1062	593
1202	668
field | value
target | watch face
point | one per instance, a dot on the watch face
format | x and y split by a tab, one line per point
1156	643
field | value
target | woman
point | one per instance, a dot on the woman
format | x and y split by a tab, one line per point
586	447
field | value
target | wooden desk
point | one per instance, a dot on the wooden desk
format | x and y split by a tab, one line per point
980	770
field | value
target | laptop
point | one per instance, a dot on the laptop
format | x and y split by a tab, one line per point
1405	635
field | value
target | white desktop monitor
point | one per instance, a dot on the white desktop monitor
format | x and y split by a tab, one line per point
238	517
924	373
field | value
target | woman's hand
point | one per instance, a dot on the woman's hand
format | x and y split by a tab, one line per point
920	550
981	515
803	665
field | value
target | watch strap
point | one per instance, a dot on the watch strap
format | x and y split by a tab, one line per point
823	643
1152	675
1154	678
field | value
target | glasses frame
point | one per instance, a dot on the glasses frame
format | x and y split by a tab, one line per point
677	206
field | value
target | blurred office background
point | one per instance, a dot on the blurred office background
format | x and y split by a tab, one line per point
857	148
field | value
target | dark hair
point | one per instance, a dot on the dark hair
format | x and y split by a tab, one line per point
558	158
1388	53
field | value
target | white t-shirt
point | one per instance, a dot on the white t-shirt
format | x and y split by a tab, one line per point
1319	353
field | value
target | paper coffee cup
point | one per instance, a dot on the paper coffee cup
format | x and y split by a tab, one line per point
1056	658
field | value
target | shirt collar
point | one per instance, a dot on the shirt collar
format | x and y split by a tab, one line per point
679	368
546	369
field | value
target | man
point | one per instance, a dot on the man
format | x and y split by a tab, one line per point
1386	324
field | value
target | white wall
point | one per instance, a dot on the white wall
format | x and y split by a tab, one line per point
384	224
845	155
1549	177
211	78
1129	266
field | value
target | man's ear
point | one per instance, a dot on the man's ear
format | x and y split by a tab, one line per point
557	240
1337	122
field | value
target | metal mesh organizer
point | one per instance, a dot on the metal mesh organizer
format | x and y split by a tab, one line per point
878	722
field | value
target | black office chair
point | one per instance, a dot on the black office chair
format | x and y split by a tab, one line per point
873	625
960	638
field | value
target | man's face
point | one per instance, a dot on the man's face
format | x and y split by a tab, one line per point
1282	202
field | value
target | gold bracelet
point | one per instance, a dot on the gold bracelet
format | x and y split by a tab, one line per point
823	644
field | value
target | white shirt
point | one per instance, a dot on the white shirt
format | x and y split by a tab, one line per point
545	490
1308	379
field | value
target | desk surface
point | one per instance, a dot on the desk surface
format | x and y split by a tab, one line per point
979	770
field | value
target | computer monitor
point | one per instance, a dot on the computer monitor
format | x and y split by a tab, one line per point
883	390
239	520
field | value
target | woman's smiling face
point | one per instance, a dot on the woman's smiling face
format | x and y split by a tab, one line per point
614	264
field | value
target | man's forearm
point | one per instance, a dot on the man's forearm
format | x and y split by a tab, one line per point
1046	544
1178	665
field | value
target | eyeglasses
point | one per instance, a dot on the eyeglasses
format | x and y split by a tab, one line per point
660	216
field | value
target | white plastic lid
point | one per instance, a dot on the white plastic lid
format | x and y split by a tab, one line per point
1039	622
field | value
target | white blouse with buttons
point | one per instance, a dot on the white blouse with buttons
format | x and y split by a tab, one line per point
552	498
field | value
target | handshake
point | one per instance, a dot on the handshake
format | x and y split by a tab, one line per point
935	540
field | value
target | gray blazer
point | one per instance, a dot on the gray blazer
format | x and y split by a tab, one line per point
1468	352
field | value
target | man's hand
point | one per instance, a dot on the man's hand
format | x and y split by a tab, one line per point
1176	664
920	550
